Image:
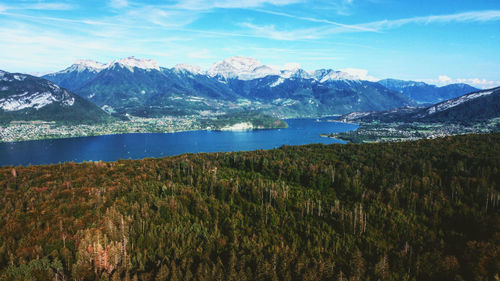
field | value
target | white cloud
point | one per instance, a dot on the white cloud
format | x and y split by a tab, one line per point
291	66
443	79
378	26
117	4
361	73
49	6
473	16
482	83
316	20
269	31
38	6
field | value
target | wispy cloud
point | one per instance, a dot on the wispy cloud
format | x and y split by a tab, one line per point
269	31
213	4
316	20
473	16
37	6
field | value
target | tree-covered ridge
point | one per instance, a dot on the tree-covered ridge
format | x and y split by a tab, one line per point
255	119
424	210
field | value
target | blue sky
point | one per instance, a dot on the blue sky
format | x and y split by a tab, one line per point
434	41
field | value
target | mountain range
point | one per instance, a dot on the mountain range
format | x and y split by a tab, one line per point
26	97
472	107
425	93
141	87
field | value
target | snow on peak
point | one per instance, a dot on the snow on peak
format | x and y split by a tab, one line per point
90	64
249	68
325	75
188	68
234	67
457	101
259	72
132	62
41	94
83	65
34	100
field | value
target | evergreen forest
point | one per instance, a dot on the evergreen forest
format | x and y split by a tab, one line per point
422	210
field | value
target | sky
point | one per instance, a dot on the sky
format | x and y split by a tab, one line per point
439	42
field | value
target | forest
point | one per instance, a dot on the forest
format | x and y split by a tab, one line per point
422	210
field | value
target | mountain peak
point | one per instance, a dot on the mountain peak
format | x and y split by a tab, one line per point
90	64
84	65
30	93
188	68
324	75
241	62
233	67
242	68
132	62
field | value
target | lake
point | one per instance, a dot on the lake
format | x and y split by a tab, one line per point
137	146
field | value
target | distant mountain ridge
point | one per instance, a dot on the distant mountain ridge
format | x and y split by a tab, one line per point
425	93
471	107
141	87
26	97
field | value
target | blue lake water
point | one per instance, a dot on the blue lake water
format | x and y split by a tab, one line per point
136	146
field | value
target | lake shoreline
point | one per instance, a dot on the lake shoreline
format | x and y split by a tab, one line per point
144	145
21	131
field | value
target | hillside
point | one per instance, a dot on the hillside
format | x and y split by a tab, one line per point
472	107
25	97
425	210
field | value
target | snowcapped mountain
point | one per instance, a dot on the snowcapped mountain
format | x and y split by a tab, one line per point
194	69
234	67
75	76
83	71
132	62
83	64
26	97
326	75
138	86
14	98
248	69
